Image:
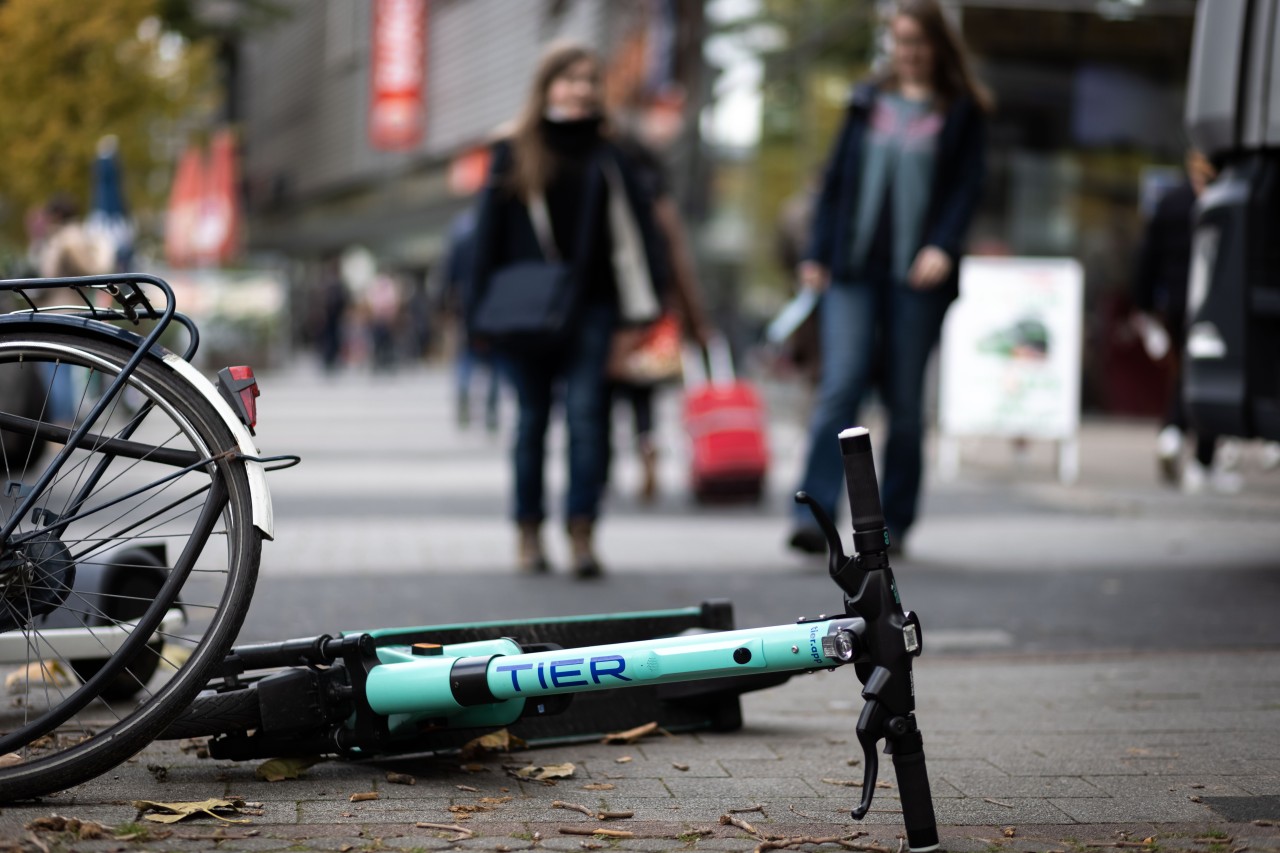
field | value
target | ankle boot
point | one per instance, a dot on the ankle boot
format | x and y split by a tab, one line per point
585	564
649	472
530	557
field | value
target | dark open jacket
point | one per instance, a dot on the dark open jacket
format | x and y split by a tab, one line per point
959	173
505	234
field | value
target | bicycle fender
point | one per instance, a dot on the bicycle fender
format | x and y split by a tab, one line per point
259	493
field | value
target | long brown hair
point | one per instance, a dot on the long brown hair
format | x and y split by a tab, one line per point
953	75
533	161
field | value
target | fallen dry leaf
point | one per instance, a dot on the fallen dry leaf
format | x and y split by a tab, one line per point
465	811
549	771
280	769
677	765
599	786
495	800
49	673
473	768
467	788
364	797
626	759
400	778
499	741
631	735
84	830
198	746
174	812
1010	831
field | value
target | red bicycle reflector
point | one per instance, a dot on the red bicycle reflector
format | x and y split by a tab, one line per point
239	387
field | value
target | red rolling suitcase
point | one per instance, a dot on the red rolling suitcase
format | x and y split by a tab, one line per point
725	420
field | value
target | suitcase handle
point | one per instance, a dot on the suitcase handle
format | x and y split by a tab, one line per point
712	365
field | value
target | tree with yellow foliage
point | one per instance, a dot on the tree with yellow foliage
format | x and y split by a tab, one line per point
71	72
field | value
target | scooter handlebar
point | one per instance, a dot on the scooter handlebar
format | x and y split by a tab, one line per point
869	532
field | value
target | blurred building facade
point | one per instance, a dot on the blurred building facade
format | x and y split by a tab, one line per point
303	89
1087	133
1087	130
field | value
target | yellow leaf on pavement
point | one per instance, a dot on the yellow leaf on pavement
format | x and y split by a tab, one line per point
548	771
499	741
42	672
279	769
174	812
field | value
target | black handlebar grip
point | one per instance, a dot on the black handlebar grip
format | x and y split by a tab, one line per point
917	802
864	490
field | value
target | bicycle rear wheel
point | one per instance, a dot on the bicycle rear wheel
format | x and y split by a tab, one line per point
132	574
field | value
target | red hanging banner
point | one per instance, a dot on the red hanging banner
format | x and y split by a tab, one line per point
398	71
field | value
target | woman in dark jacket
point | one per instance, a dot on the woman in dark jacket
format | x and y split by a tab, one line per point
560	155
889	227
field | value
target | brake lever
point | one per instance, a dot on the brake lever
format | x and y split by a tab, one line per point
869	723
870	730
836	557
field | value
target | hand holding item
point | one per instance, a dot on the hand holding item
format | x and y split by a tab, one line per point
930	268
813	276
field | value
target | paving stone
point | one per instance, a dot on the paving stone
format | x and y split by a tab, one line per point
1267	784
729	845
1160	786
751	790
972	811
380	811
642	768
1120	809
1001	787
327	844
624	790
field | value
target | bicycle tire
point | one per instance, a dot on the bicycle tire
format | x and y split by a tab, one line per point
212	713
80	732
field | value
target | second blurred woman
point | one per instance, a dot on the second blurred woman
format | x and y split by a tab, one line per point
888	231
559	158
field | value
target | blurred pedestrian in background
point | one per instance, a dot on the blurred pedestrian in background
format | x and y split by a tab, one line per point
70	249
560	167
685	302
383	306
1160	293
457	269
893	210
334	300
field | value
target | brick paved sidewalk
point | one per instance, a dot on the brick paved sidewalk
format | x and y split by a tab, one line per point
1062	753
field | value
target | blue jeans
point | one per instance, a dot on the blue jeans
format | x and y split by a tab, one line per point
580	369
873	332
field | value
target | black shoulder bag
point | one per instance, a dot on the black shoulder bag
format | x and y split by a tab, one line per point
529	304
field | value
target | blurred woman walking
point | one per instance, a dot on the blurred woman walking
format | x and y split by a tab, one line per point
888	231
559	188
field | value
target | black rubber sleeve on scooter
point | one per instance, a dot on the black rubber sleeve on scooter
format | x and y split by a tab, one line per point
917	802
469	681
